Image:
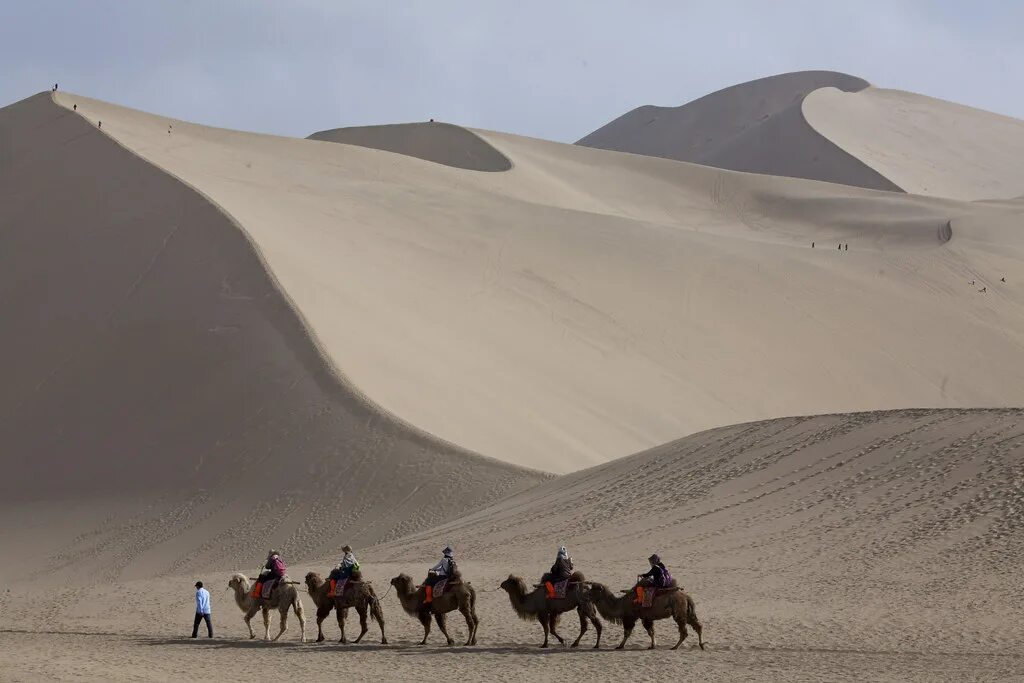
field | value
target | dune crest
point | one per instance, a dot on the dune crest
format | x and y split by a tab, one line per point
441	143
923	144
755	127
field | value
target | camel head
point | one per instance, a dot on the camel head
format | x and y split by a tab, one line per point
513	583
402	583
240	586
313	582
238	583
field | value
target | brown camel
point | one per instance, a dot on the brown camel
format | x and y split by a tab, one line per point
623	609
358	594
458	595
283	598
536	605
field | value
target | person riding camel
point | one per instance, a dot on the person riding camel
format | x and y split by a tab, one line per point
347	569
560	571
442	571
656	577
272	572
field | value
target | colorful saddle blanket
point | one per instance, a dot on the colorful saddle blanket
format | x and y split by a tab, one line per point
556	591
645	594
264	589
337	588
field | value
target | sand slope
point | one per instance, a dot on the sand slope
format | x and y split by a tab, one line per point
873	546
161	396
924	145
587	304
756	127
441	143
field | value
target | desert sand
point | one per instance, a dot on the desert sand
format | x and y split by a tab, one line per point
596	303
397	336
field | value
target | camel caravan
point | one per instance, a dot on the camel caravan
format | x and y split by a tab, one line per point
655	596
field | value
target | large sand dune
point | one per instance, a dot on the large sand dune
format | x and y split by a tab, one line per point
757	127
586	304
873	546
924	145
161	393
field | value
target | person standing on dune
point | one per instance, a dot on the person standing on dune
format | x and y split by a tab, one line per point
202	611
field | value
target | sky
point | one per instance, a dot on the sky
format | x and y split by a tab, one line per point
549	69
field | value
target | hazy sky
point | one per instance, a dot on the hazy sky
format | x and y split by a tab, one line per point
551	69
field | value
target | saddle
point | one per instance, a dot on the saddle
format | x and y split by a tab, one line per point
556	591
645	595
264	589
339	586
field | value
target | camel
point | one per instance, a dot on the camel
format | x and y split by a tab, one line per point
358	594
283	598
623	609
536	605
457	596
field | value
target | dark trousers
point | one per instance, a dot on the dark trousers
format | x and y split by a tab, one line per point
195	626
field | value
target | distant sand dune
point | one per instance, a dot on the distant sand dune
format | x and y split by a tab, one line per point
757	127
441	143
925	145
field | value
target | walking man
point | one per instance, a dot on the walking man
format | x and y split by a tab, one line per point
202	610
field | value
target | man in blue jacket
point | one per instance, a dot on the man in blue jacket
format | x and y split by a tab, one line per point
202	610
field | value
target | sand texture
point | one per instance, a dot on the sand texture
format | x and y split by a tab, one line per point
871	547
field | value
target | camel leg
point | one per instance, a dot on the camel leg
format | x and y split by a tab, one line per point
266	623
301	615
470	624
543	619
378	615
692	620
248	620
442	623
284	622
363	628
627	630
554	622
321	615
597	627
424	618
342	613
681	623
583	627
649	627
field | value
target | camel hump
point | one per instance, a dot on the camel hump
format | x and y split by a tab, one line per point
577	577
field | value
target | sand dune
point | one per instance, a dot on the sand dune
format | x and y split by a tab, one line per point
160	393
869	546
587	304
924	145
441	143
757	127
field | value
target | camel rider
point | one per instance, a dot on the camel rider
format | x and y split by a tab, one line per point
656	577
272	572
442	571
561	570
346	569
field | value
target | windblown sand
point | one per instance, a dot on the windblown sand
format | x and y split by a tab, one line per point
216	342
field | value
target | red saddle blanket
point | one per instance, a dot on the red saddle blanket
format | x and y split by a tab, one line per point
556	590
264	589
645	594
